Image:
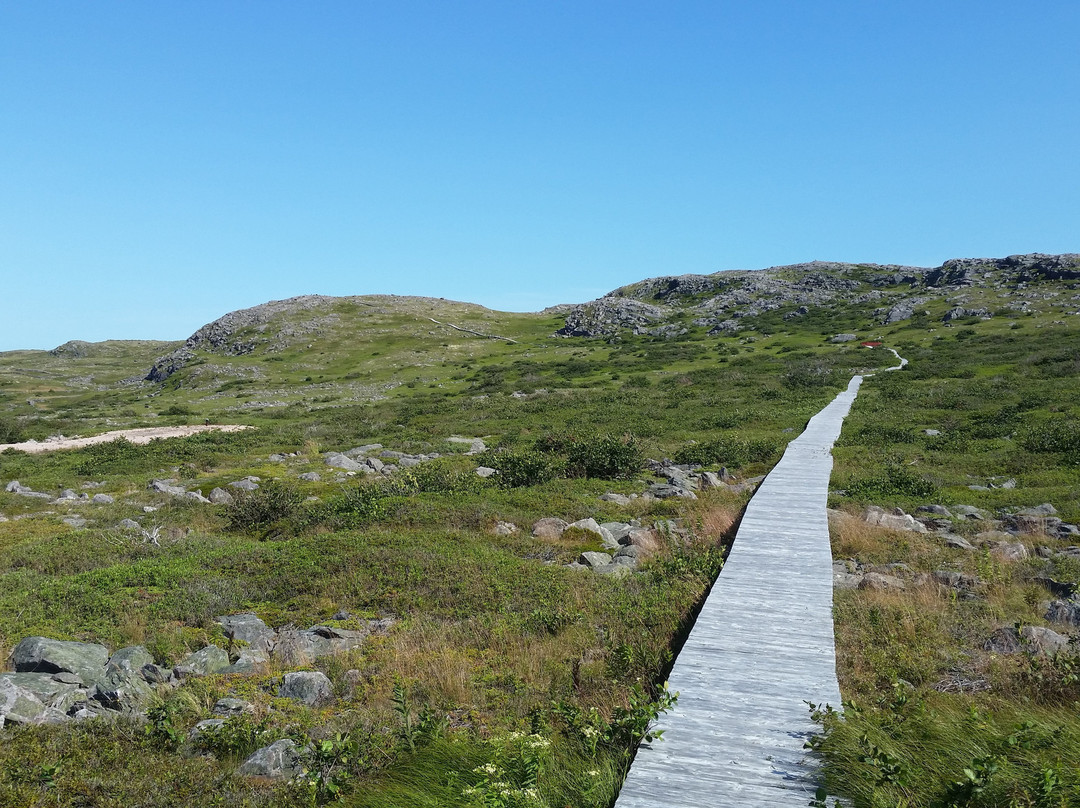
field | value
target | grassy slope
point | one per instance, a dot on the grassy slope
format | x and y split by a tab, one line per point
488	634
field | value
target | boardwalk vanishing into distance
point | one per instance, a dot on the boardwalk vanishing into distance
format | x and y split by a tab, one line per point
761	648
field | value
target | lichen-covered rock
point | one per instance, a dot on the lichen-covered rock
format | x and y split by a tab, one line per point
42	655
278	761
203	662
247	628
307	687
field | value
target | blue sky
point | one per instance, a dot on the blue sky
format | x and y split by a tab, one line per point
164	163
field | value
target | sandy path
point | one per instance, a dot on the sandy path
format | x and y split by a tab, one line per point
144	435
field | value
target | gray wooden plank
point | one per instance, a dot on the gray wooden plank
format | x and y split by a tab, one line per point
762	647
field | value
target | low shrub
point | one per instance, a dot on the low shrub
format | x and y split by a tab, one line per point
729	450
272	502
521	467
891	480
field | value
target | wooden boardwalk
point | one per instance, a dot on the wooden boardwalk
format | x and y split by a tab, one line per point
761	648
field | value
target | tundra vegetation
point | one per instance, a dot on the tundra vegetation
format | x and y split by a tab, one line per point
501	676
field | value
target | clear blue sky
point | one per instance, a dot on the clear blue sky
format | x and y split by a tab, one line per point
164	163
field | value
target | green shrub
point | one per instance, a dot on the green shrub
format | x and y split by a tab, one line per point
892	480
272	502
609	457
1052	436
730	450
177	409
9	430
520	467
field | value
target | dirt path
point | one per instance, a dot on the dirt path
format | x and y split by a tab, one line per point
144	435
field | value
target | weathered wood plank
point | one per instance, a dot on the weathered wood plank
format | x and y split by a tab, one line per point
761	648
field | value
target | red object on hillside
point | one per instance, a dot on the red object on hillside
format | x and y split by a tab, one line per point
871	344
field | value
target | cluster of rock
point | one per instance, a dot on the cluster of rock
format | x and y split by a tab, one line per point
686	480
629	542
720	301
218	496
1007	537
373	458
67	496
56	680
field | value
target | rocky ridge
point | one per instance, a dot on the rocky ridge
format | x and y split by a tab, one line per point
665	306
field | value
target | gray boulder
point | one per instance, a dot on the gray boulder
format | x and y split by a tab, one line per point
203	662
131	659
1064	611
594	559
219	496
844	338
1010	551
250	661
19	706
278	761
230	707
935	510
590	525
201	727
42	655
167	487
1043	640
244	485
102	499
122	690
957	542
616	499
615	570
879	582
310	477
505	528
549	528
247	628
336	460
129	524
668	491
486	471
294	648
306	687
894	520
969	512
62	692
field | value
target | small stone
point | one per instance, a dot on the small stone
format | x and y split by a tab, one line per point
310	477
102	499
244	485
129	524
485	471
505	528
615	499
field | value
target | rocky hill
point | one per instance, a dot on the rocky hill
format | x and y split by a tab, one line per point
724	301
